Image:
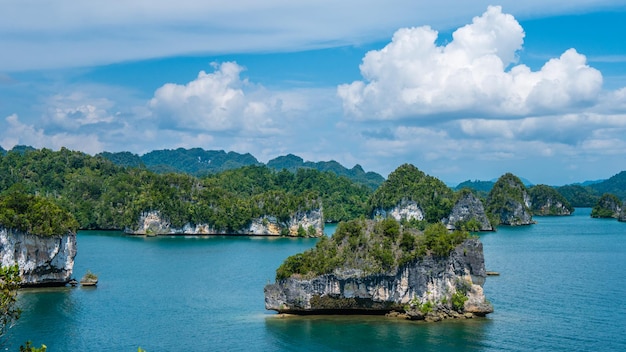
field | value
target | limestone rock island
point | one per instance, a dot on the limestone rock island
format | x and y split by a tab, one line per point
39	237
379	267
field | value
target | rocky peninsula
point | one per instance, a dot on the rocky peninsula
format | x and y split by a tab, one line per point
371	267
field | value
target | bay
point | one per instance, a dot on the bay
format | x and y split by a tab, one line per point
562	287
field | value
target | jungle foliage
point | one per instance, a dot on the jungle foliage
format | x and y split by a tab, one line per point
371	246
102	195
34	214
544	199
608	206
408	183
504	196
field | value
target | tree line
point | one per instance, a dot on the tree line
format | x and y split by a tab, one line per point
102	195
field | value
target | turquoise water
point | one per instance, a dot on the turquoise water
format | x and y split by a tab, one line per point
562	287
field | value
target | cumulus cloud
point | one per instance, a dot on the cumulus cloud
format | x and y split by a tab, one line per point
76	110
414	77
222	101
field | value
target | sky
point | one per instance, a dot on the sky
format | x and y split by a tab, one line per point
464	90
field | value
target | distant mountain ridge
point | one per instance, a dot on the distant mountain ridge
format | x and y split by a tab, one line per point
292	163
197	162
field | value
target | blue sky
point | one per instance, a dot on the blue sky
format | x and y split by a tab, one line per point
463	90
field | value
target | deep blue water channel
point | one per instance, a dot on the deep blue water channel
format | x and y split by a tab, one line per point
562	287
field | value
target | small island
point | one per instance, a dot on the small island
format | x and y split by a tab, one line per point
90	279
384	267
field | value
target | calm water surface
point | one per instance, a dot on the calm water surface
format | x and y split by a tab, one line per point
562	287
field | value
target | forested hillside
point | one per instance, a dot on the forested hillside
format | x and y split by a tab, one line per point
615	185
102	195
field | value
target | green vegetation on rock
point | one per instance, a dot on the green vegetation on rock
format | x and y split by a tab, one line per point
408	183
608	206
506	203
33	214
370	246
546	200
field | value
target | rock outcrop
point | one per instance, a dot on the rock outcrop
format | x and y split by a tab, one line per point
545	200
468	211
422	288
405	210
43	260
622	214
509	202
609	206
301	224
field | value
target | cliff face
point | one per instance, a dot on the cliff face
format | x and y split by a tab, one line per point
430	281
551	207
406	209
622	214
43	260
151	223
466	209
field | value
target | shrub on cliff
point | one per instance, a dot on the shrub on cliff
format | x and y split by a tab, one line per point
373	247
34	214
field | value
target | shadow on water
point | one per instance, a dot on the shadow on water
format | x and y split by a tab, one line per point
373	333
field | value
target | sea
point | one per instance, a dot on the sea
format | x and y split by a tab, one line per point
562	287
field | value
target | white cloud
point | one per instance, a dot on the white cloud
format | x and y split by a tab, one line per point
223	101
414	77
14	132
73	111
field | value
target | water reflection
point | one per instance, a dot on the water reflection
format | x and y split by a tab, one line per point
48	313
374	333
